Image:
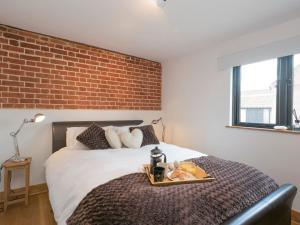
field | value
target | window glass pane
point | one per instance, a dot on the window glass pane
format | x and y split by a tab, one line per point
258	92
296	98
256	115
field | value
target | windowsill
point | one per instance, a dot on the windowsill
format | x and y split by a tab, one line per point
265	129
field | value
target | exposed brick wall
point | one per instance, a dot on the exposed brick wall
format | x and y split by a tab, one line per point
39	71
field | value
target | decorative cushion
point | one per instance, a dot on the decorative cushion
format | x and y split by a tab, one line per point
113	138
133	139
94	137
149	137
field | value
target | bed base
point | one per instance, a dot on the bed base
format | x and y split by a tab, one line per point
274	209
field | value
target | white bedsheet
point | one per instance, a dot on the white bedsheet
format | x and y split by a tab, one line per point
71	173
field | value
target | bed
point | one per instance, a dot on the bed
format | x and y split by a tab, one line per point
69	183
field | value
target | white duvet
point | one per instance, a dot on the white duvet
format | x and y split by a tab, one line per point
72	173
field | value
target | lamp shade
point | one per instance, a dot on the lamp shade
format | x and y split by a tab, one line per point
38	118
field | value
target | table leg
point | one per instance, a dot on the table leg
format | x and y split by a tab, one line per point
7	178
27	172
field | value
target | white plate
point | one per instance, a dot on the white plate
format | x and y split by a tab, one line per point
169	175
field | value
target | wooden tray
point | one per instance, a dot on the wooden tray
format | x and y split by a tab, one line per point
167	181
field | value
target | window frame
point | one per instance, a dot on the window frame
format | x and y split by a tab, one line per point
284	95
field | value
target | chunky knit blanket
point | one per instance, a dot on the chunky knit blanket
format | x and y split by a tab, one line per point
131	200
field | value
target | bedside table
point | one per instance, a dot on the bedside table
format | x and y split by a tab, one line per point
9	167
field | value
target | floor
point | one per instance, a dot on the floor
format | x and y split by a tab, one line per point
38	212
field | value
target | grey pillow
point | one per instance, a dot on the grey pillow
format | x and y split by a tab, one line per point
149	137
94	138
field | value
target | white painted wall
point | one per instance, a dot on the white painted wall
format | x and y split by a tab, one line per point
196	105
35	140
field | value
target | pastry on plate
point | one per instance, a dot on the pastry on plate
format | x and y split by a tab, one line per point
181	175
193	169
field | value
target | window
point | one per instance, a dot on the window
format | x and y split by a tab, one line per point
296	95
263	92
256	96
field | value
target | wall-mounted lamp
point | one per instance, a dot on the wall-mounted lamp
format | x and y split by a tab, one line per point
36	119
163	127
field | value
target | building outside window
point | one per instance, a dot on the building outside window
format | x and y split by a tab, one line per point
256	115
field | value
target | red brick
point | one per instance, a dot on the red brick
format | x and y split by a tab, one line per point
3	65
31	46
29	51
39	71
29	57
15	61
3	53
61	62
13	36
14	66
3	77
30	68
58	51
9	105
30	63
30	79
44	54
12	48
15	72
45	65
82	56
15	78
14	55
14	42
12	95
12	83
29	100
30	90
44	48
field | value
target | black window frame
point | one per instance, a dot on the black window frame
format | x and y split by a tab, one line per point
284	95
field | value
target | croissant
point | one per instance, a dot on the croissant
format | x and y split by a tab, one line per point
180	174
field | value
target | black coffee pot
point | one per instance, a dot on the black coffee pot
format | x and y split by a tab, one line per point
156	157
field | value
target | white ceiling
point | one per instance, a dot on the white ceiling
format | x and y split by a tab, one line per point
141	28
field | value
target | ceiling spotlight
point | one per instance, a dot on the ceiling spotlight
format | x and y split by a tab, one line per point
161	3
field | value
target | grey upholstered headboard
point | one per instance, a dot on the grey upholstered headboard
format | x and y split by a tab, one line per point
59	129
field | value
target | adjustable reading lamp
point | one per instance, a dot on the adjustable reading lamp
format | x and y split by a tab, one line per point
36	119
163	127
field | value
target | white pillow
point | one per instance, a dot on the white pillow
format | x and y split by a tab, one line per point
125	129
113	138
133	139
121	130
71	135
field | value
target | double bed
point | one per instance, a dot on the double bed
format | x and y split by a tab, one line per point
72	173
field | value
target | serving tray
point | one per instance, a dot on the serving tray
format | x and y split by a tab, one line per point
168	181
